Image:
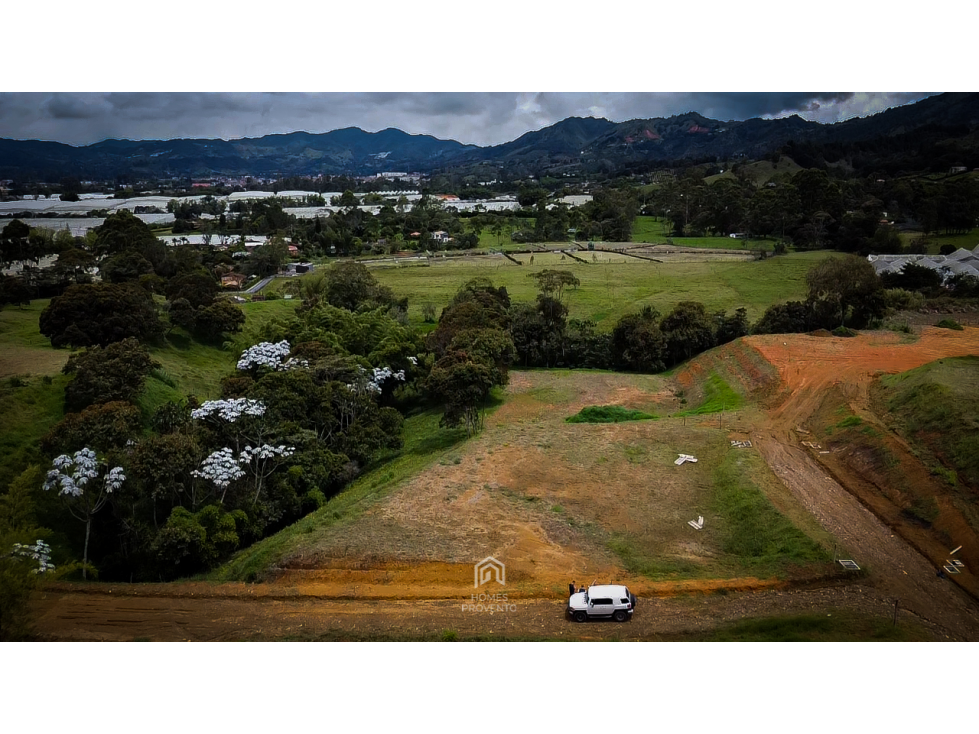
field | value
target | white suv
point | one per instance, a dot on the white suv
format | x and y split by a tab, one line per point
609	600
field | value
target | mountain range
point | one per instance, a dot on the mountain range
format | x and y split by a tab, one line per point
946	123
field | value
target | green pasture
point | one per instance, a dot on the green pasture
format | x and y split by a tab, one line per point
608	291
657	231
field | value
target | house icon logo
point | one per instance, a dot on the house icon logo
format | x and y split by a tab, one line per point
488	569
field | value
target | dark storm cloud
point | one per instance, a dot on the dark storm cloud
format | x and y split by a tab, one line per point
483	118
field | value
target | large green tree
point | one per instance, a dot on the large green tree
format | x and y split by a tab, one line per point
850	284
461	383
103	374
99	314
638	344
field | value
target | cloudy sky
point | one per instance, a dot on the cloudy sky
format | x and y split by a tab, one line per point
481	118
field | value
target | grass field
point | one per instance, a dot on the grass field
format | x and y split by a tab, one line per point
609	291
656	231
644	229
23	350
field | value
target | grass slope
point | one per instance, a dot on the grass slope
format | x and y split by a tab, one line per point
718	397
936	406
29	411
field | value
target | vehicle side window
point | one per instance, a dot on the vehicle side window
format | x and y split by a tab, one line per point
624	601
603	601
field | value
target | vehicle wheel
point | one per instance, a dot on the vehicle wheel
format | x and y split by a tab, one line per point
580	617
620	615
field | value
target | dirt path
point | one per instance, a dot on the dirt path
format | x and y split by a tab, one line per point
807	368
899	571
253	613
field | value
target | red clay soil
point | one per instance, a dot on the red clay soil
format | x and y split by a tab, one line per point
903	559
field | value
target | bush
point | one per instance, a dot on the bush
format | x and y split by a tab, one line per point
844	331
609	414
898	299
949	324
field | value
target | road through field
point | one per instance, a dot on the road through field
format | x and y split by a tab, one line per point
198	612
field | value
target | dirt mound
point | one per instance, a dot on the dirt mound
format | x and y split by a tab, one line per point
739	363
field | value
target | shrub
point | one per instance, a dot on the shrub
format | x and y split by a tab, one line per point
609	414
844	331
899	299
949	324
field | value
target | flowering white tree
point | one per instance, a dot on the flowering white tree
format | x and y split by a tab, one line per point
222	467
225	466
77	476
262	460
267	354
228	410
372	382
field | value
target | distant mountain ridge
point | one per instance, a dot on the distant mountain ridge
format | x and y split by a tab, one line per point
576	141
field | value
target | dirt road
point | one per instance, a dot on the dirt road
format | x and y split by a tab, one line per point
807	368
899	571
221	613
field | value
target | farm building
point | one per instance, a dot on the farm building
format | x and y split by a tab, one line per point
960	262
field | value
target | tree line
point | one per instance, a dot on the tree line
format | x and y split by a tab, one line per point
813	209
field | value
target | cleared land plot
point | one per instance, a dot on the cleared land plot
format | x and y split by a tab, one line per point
558	501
